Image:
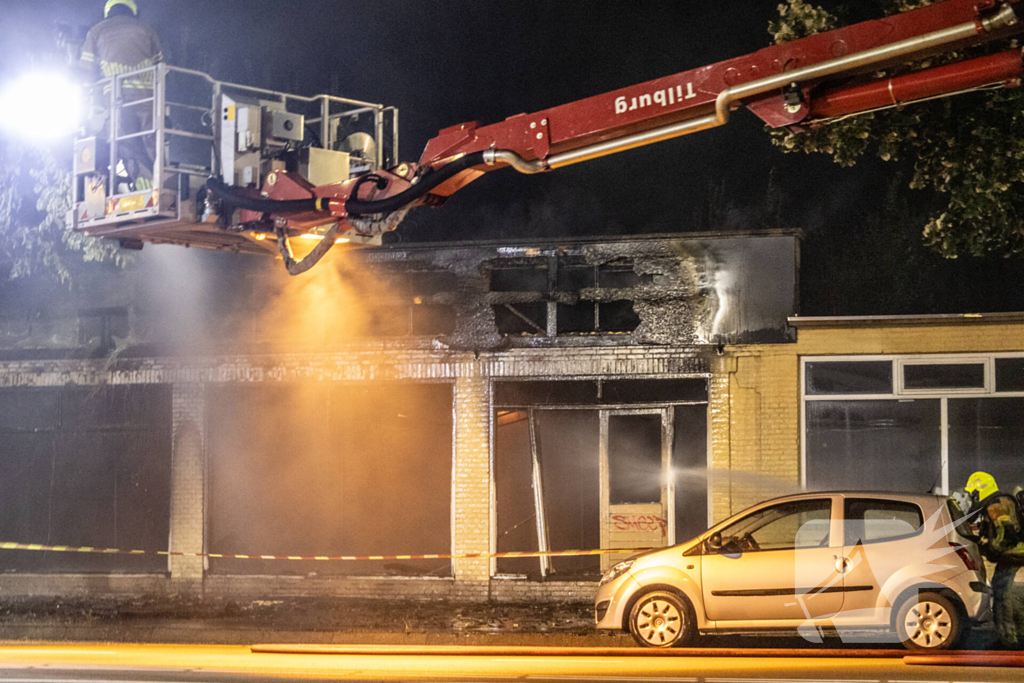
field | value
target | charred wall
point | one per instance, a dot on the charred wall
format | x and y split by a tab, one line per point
698	289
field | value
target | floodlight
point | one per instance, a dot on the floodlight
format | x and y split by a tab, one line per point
40	106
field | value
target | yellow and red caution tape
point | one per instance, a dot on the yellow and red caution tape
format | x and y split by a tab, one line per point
317	558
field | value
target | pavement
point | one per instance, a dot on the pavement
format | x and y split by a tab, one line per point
193	620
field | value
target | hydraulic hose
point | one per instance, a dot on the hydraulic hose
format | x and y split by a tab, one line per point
236	198
357	207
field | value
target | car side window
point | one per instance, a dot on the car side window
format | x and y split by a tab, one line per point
868	520
788	526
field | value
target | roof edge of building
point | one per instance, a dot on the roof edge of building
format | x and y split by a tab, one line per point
593	239
924	320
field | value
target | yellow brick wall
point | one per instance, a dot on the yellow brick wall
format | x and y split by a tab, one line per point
755	399
472	483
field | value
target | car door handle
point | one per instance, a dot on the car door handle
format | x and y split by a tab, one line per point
842	564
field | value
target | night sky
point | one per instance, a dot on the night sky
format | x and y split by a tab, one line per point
446	62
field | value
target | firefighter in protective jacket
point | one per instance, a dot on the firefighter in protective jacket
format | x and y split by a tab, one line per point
118	45
1002	542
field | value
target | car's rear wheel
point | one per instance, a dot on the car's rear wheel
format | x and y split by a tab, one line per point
662	619
928	620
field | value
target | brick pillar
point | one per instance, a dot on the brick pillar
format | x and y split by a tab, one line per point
471	532
720	399
187	486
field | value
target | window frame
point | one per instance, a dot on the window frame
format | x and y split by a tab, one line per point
831	525
889	539
988	373
899	392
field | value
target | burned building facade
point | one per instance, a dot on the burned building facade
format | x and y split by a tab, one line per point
438	400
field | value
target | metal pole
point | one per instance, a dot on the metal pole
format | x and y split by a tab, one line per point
394	136
115	122
215	128
538	497
159	110
378	118
325	120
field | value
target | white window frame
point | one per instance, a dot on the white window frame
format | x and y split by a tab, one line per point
987	364
899	361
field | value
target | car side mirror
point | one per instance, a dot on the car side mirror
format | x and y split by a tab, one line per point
713	544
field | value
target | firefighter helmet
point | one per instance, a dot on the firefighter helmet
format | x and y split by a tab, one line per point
982	485
111	4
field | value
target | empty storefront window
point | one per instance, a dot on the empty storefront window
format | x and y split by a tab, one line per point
329	468
566	443
549	488
884	445
986	434
845	435
85	466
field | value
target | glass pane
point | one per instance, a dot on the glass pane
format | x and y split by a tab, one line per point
1009	374
883	445
873	521
568	445
634	459
849	377
690	465
986	434
944	376
804	524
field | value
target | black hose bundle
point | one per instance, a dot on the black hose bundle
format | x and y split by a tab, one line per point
354	206
240	200
359	207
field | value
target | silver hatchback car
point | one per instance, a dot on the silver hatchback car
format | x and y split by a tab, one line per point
889	566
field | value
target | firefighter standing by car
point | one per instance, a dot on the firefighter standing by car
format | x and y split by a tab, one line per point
117	45
1001	539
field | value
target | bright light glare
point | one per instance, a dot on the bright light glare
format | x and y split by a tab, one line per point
40	106
311	236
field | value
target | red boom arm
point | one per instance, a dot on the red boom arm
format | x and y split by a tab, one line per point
793	84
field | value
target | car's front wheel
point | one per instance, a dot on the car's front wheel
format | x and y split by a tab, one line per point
929	621
662	619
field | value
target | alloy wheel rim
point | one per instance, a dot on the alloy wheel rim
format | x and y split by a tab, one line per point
928	624
659	622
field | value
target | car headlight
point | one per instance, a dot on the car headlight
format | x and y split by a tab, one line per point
616	571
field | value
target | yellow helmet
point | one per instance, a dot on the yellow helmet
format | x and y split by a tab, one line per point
111	4
981	483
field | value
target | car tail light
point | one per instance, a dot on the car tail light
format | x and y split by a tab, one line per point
965	556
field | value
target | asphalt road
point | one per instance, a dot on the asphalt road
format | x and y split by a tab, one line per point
188	663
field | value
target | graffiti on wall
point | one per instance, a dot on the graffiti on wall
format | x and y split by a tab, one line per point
640	523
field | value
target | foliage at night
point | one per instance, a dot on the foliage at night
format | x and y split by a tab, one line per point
969	149
34	201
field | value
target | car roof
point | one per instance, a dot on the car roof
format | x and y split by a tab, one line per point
885	495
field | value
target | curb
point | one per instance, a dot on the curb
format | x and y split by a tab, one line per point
197	633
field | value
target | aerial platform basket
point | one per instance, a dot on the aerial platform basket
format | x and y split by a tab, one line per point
154	136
